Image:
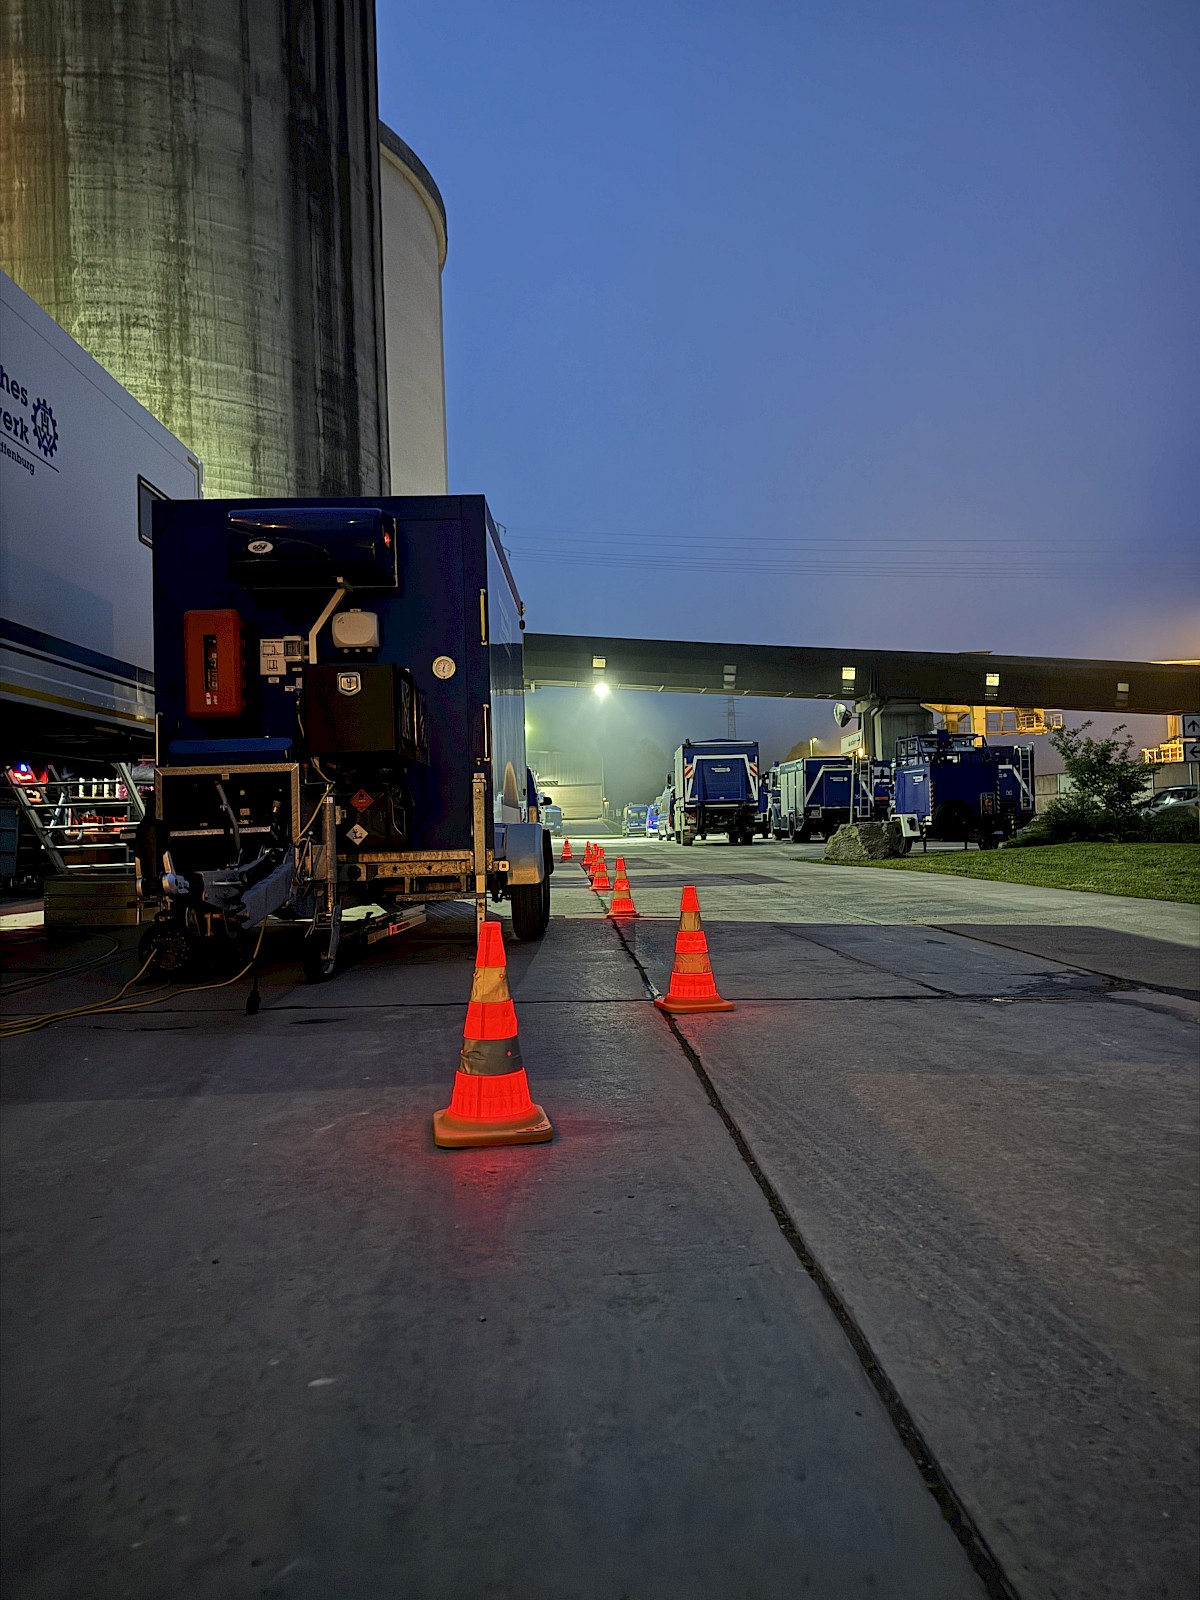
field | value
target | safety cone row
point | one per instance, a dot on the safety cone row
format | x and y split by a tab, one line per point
622	906
693	987
567	853
491	1104
600	880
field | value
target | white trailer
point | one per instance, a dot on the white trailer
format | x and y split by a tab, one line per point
81	463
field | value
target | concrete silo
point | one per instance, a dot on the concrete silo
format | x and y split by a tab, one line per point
191	189
414	252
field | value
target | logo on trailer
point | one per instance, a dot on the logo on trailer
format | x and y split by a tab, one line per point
260	547
349	682
45	429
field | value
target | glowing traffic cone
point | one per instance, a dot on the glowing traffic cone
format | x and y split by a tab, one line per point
567	854
693	987
490	1104
588	852
622	901
600	880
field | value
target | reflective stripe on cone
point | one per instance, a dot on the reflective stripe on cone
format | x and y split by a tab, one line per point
491	1103
693	987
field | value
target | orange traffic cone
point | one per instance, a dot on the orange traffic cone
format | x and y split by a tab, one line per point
600	880
693	987
622	901
593	866
490	1104
588	851
567	854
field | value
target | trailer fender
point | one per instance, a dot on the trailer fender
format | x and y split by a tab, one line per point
520	844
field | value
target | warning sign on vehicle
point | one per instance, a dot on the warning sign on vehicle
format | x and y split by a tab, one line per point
362	800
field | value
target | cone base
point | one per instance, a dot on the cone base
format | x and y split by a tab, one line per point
624	916
664	1002
459	1133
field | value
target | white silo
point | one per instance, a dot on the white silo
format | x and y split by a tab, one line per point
414	252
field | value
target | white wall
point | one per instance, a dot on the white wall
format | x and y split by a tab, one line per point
414	251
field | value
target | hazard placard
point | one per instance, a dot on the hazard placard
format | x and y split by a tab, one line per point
362	800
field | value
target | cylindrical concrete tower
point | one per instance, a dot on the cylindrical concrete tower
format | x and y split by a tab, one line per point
414	252
190	187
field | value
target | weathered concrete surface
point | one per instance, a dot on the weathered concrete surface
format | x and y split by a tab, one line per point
261	1338
998	1174
989	1149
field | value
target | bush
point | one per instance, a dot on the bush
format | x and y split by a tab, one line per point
1106	782
1076	819
1174	825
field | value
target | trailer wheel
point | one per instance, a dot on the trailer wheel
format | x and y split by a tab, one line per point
530	910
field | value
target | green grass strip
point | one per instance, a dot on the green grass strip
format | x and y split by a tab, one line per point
1145	871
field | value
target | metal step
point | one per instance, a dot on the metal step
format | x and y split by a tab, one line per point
62	811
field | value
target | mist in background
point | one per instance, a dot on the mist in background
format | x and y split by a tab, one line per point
862	324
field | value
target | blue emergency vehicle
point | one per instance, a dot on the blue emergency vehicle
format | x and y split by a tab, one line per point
715	790
340	722
956	786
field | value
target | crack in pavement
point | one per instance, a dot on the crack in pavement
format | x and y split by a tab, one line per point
986	1565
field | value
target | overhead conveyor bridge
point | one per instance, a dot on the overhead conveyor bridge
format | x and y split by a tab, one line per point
892	684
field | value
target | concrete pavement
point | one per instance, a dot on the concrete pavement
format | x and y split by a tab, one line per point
261	1338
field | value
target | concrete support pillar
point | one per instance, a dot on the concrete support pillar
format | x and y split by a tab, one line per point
885	721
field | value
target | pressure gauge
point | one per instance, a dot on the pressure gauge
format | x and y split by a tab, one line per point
444	667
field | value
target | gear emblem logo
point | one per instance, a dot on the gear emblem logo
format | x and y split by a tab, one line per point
45	429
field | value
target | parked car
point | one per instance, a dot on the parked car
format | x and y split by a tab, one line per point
1182	794
552	818
633	820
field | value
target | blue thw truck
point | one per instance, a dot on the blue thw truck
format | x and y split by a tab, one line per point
340	728
815	795
958	787
715	790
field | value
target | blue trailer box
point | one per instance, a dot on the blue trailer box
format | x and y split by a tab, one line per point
817	794
371	651
958	787
716	790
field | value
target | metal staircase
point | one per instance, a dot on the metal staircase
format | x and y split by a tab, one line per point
84	824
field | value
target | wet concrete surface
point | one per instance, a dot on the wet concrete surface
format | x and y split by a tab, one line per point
261	1338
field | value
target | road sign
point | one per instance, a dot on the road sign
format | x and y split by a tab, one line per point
1191	752
1190	726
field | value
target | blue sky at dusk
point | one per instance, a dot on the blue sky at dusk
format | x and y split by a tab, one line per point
842	323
